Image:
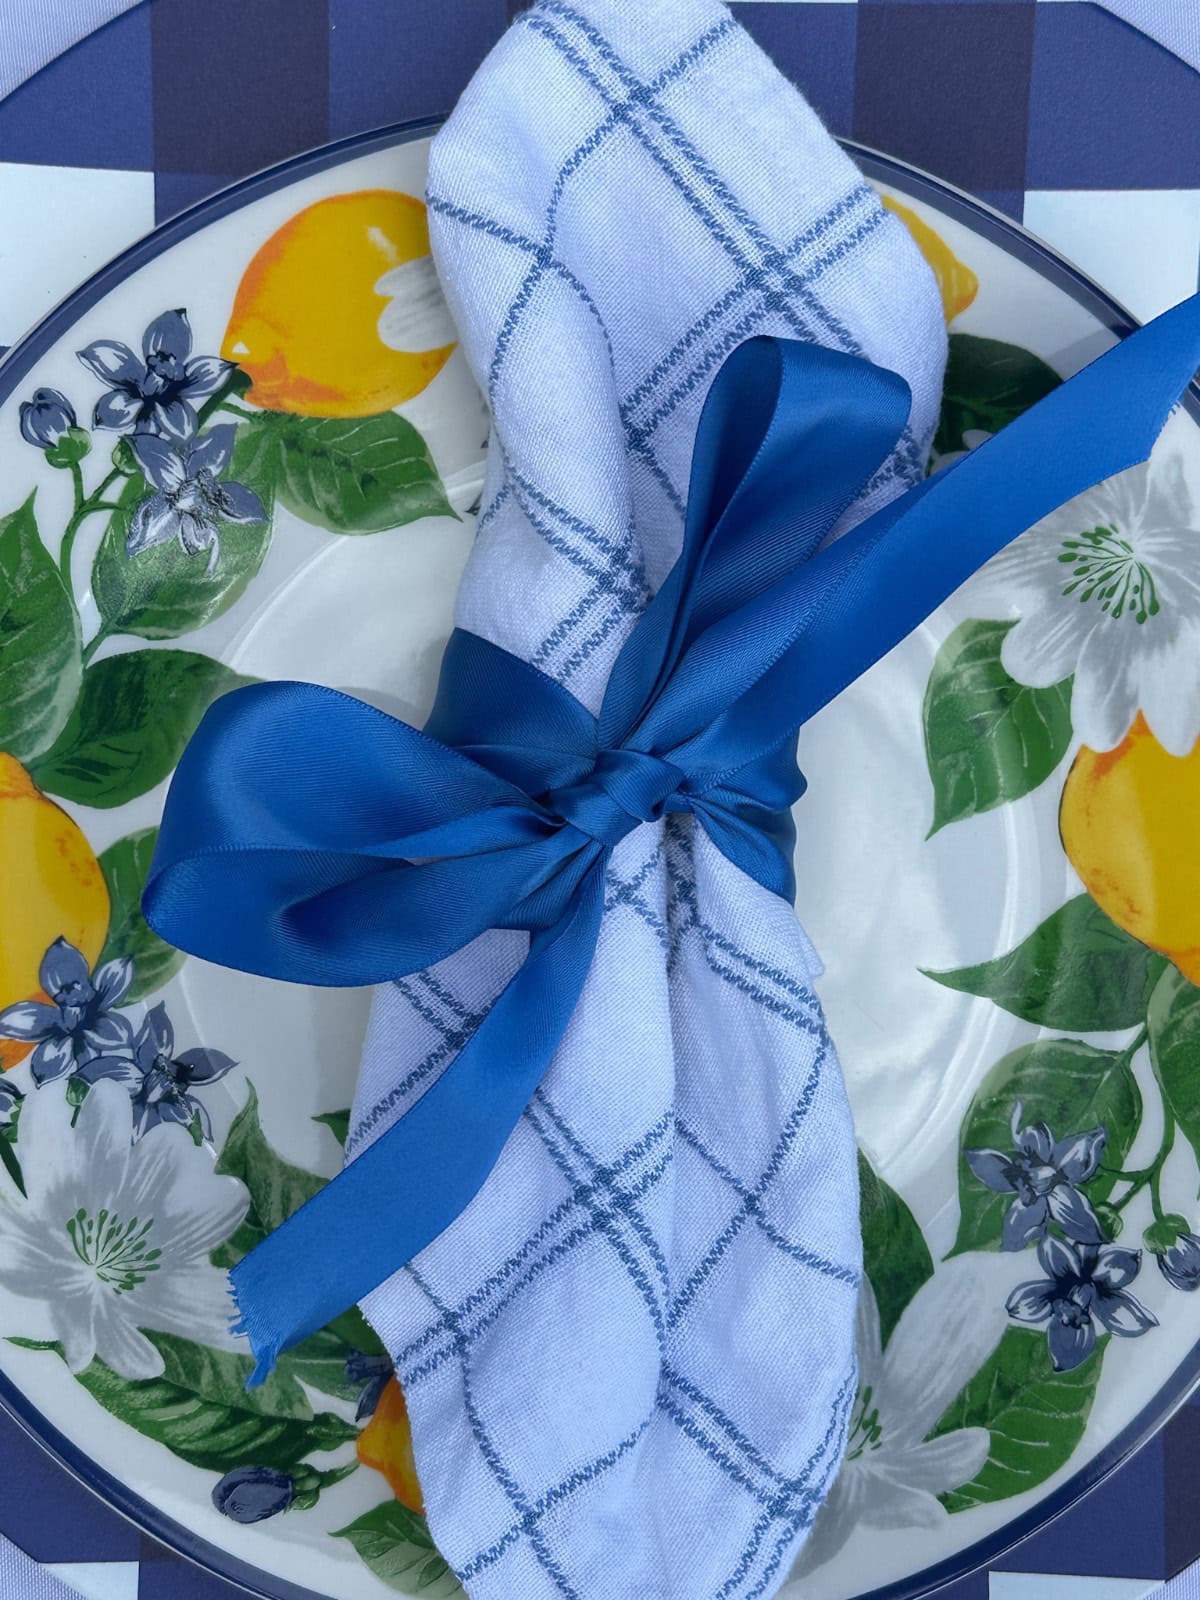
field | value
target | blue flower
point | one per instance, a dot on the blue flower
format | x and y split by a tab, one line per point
1082	1283
1043	1176
190	503
10	1100
1179	1263
80	1027
46	419
162	1090
154	394
372	1373
252	1494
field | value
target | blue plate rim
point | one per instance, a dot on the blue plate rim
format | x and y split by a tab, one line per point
18	361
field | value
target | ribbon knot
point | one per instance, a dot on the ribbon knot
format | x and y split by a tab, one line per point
310	837
623	790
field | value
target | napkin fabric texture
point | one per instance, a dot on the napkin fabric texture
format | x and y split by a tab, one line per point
1175	24
630	1363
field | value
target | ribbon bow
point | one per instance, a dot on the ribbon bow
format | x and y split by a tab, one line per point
310	837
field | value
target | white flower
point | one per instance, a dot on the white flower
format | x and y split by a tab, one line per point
893	1473
1108	589
113	1236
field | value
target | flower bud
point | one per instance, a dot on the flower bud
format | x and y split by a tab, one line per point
1180	1265
46	419
1110	1221
1164	1231
124	459
252	1494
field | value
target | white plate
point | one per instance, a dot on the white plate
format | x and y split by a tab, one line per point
884	901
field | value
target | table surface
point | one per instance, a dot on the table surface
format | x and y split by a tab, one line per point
1054	111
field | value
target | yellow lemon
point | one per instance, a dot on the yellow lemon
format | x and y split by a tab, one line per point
386	1444
51	887
1128	822
339	314
958	284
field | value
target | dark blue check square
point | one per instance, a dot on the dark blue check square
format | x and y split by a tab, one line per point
947	87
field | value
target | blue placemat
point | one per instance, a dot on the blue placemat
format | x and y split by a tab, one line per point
1056	111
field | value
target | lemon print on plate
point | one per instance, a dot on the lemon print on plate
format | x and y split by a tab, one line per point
1128	822
956	282
340	313
51	886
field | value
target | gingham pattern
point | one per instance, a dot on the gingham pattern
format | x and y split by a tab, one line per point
1052	109
630	1363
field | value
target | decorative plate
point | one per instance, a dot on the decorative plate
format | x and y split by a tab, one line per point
250	448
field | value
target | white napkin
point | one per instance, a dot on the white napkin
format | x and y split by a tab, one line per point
630	1363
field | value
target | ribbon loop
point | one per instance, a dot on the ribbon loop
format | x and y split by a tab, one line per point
309	837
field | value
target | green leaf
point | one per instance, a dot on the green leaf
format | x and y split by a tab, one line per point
1173	1018
350	475
357	1332
988	384
1077	971
395	1543
276	1187
1067	1084
1036	1416
40	659
125	865
220	1376
163	592
338	1123
320	1360
988	738
127	730
239	1244
895	1256
8	1158
210	1434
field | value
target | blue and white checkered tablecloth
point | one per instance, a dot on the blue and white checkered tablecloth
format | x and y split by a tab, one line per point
114	115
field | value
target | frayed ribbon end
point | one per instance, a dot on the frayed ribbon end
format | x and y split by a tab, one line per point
264	1346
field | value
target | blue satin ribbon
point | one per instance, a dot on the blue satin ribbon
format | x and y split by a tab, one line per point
310	837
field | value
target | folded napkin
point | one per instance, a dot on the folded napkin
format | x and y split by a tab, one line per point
629	1364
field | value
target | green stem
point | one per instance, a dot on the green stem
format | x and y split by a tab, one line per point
1151	1176
77	483
107	483
89	649
1168	1141
1131	1050
78	512
84	506
238	411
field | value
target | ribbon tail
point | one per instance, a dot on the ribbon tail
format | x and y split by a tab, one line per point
414	1180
